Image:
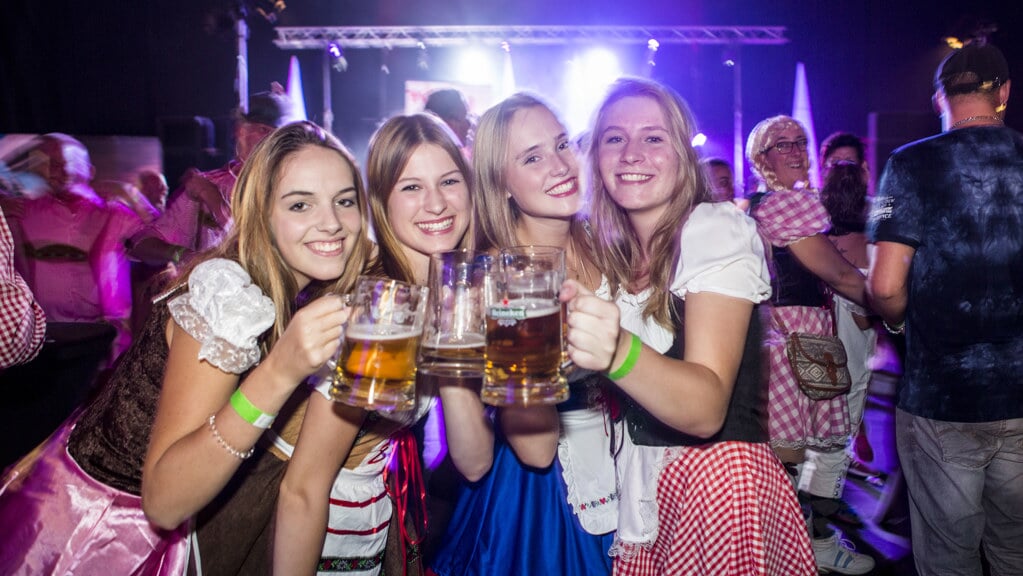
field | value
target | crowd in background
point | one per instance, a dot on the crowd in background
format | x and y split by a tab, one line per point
689	445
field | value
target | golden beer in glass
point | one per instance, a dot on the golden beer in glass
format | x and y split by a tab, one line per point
376	369
524	329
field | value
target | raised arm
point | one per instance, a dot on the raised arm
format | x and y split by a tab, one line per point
112	271
470	435
692	394
192	454
328	433
532	433
821	257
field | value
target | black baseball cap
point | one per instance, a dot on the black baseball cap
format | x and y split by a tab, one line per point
972	68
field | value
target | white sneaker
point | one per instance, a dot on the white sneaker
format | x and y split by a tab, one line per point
835	555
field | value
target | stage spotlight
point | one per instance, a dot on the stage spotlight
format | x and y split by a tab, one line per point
337	54
651	54
268	9
699	140
652	46
729	56
475	67
507	72
953	42
422	57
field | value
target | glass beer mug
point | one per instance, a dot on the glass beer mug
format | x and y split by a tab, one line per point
523	351
376	369
455	329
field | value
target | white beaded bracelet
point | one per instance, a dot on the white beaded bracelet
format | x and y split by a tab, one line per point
223	443
896	329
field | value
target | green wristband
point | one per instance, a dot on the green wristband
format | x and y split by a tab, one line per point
630	360
249	412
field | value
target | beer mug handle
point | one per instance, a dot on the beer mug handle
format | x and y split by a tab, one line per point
327	373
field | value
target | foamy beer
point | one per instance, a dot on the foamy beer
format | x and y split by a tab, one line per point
455	331
376	369
524	329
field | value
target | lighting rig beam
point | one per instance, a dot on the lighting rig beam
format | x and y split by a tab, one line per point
422	37
318	37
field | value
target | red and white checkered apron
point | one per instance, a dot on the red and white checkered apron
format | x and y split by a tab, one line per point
724	508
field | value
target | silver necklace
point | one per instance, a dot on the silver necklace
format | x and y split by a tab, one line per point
972	118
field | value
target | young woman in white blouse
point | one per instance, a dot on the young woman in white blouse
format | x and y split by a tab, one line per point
701	490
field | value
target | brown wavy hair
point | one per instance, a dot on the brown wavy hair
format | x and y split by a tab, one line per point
844	195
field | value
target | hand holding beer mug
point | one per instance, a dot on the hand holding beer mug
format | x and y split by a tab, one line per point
377	366
523	346
455	329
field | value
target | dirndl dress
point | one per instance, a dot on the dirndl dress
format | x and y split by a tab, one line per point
59	520
556	520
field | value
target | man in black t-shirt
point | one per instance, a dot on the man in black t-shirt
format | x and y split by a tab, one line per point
948	225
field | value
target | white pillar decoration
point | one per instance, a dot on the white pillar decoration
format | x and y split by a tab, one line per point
802	112
295	91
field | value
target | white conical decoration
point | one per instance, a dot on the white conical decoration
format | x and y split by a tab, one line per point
802	112
295	89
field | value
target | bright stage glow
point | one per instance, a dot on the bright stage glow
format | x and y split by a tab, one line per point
475	67
699	140
601	61
587	79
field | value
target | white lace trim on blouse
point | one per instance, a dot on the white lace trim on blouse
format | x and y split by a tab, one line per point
225	312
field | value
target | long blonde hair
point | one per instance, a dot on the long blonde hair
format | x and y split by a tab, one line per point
497	215
390	150
251	242
620	255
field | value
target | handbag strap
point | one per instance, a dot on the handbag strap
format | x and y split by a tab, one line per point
834	319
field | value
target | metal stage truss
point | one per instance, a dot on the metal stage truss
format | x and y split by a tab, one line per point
312	37
424	37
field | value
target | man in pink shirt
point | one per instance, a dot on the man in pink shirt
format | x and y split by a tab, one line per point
70	244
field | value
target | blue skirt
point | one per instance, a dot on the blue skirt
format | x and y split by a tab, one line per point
517	520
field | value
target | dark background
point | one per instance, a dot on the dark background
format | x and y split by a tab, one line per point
126	67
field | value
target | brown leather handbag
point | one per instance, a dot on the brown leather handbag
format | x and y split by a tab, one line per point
819	363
